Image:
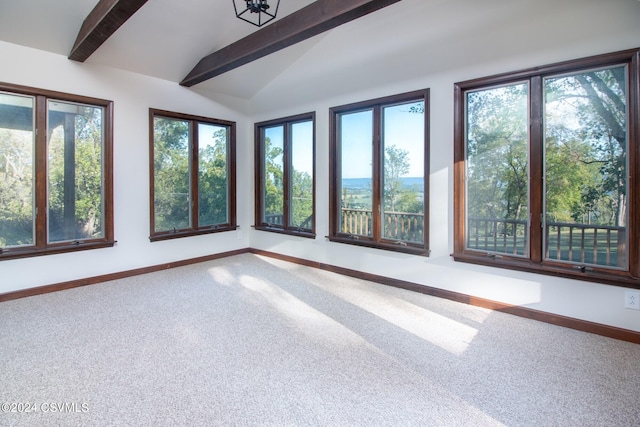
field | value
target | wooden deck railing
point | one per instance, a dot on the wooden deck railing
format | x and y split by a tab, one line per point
404	226
278	219
357	221
400	226
580	243
586	244
497	235
274	219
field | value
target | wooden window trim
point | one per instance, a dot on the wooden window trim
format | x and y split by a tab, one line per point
41	246
335	165
195	229
535	263
286	122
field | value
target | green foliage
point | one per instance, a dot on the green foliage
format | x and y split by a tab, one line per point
273	179
82	218
74	195
16	188
586	144
212	181
301	199
300	191
584	153
171	174
497	153
565	179
399	197
172	168
411	200
396	165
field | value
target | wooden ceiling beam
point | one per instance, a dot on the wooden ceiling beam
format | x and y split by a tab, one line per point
100	24
316	18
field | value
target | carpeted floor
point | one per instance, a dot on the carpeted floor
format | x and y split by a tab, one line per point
252	341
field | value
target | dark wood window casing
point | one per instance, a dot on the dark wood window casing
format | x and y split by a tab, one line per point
285	220
195	223
66	234
556	248
378	226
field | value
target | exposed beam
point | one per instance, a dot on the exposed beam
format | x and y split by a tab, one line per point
100	24
316	18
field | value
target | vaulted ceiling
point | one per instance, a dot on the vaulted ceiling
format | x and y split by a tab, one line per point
408	38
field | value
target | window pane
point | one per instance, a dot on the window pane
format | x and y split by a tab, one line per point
273	175
301	181
213	198
16	170
172	209
403	177
356	179
75	193
497	170
586	207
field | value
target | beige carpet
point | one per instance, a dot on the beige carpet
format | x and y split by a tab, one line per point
252	341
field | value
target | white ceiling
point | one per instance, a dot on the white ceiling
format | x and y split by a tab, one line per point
167	38
164	39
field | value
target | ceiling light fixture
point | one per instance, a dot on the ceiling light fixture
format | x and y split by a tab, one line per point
255	12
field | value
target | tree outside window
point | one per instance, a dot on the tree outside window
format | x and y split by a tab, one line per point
544	163
56	186
379	173
285	173
192	175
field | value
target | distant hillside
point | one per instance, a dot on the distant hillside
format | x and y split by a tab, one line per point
364	183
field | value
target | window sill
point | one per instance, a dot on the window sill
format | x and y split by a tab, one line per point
387	246
591	274
291	232
168	235
18	252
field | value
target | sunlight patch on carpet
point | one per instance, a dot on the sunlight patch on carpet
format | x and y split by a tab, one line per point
304	317
439	330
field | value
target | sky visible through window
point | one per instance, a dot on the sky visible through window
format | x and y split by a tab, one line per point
404	129
303	141
206	134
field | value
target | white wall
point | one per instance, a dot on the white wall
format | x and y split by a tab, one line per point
560	31
132	95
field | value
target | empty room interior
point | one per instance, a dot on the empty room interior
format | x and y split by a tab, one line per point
297	212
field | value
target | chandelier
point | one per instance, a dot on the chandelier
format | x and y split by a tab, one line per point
255	12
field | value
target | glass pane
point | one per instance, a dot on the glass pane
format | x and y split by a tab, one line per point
75	193
498	170
213	193
356	159
172	209
301	191
403	177
586	209
16	170
273	176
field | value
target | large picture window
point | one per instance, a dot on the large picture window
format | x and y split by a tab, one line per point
379	173
545	168
285	175
192	175
55	172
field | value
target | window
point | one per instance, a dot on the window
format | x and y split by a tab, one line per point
546	169
192	175
56	191
379	173
285	175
